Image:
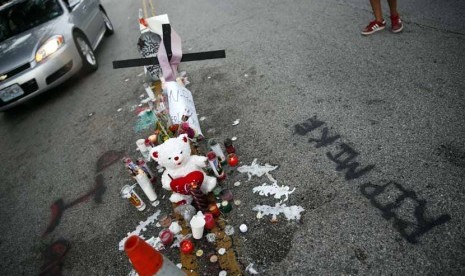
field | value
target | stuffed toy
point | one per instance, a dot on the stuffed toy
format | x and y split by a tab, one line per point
181	169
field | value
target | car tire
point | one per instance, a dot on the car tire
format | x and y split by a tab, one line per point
108	25
89	61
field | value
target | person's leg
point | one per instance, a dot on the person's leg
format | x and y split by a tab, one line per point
393	7
376	6
396	23
378	24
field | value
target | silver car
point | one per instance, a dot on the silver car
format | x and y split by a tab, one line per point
45	42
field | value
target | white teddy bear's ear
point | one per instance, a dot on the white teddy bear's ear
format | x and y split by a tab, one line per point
154	153
183	137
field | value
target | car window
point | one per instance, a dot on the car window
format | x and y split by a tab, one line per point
19	16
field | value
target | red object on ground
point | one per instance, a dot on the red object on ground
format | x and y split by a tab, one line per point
166	237
233	159
186	246
144	258
209	221
213	208
181	184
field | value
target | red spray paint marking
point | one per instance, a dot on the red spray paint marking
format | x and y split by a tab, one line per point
54	257
58	207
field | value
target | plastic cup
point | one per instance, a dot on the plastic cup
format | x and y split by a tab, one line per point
197	225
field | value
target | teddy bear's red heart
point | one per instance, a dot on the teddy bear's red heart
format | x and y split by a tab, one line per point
181	184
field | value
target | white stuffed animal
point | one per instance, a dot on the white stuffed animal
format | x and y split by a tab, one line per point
175	156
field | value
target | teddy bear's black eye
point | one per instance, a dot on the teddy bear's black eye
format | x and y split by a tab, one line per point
169	158
181	152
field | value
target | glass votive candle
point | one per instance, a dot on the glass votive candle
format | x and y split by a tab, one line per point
166	237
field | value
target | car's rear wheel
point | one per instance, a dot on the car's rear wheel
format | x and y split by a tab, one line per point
89	61
108	25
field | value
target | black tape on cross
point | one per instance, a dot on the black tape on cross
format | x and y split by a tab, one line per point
153	60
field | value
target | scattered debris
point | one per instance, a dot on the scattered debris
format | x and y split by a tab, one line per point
237	202
234	138
259	215
221	251
251	270
156	243
246	75
243	228
199	253
274	189
119	109
274	219
290	212
256	169
223	273
211	130
91	114
142	225
140	74
202	118
155	203
236	122
209	77
145	120
229	230
213	258
237	184
141	96
126	80
179	265
211	237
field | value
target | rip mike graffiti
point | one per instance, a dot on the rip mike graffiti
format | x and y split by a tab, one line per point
391	209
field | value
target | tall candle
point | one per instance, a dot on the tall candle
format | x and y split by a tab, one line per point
146	185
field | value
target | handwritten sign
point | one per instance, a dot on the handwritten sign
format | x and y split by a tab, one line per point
181	103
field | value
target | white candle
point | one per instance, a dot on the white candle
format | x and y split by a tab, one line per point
146	185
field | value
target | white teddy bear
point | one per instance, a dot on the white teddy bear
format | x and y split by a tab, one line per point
175	156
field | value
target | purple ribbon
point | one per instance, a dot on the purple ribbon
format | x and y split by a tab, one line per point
170	67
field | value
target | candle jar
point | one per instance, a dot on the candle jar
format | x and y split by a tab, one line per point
216	148
214	210
233	160
226	207
166	237
165	221
226	195
217	192
186	247
229	146
209	221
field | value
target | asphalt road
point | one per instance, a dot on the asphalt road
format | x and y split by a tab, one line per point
393	103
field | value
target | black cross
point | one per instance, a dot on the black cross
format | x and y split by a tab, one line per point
167	42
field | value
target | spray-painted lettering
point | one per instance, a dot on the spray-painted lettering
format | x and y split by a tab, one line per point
394	209
410	230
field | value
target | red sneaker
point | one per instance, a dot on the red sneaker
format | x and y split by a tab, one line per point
373	27
396	24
